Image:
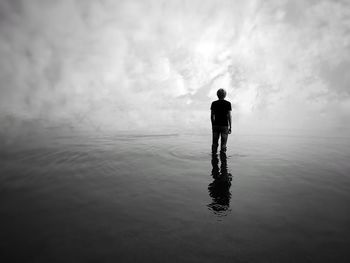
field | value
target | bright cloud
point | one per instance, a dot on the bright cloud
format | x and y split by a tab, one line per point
148	64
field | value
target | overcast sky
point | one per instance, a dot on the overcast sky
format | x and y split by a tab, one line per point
156	64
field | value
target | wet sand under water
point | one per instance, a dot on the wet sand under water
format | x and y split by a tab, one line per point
164	198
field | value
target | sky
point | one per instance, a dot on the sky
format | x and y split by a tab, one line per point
156	65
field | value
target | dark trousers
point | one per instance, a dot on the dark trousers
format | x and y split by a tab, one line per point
219	131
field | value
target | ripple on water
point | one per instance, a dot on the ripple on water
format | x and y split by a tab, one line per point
178	152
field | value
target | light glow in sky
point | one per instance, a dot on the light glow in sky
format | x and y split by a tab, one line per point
146	64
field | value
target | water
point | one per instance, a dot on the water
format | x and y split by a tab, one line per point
163	198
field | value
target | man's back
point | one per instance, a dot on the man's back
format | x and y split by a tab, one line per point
221	108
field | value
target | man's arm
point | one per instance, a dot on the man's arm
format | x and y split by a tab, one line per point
229	118
212	117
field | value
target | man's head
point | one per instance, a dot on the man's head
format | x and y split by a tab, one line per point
221	94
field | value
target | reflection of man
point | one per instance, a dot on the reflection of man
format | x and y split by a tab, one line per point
219	189
220	121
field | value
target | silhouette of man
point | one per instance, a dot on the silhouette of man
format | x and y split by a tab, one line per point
220	121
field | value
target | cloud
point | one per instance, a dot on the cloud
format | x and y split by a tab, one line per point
157	64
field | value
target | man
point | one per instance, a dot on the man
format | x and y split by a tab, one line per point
220	121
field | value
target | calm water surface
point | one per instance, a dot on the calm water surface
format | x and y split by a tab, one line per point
164	198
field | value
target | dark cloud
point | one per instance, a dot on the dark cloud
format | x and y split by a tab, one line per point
337	77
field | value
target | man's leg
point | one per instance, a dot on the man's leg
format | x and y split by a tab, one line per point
214	146
224	137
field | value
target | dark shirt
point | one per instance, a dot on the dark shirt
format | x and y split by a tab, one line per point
220	109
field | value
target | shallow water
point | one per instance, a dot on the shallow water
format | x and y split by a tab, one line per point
163	198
